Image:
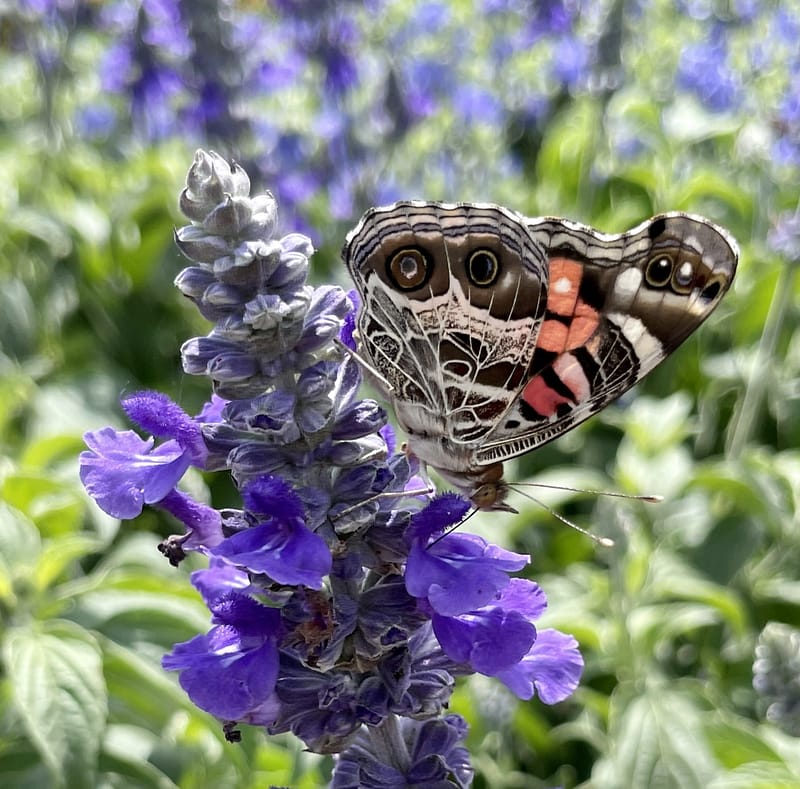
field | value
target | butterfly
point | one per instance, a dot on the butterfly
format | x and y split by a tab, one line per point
493	333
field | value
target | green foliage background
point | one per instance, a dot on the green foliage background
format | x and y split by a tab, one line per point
668	620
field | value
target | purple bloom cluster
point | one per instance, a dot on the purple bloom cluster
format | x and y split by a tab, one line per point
343	606
704	69
783	237
215	70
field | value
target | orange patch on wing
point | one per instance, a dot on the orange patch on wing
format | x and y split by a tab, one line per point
558	337
562	299
563	286
541	398
584	324
553	336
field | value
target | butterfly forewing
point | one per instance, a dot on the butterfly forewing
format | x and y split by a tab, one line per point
453	296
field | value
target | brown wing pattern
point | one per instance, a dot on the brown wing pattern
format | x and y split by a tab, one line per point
453	296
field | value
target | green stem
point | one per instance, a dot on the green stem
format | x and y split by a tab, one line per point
748	413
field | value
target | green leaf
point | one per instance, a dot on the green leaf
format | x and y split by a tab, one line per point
59	553
649	625
57	686
673	579
39	495
757	775
657	741
736	742
672	415
20	543
133	769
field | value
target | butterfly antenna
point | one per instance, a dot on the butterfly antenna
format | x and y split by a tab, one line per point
606	542
649	498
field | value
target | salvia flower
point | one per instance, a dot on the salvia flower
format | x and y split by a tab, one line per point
343	605
704	70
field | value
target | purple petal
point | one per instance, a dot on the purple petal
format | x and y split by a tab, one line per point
270	495
460	573
221	676
219	578
390	437
524	596
346	334
288	555
122	471
552	668
490	641
212	410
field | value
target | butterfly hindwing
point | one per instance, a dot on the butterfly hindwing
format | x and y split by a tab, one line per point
617	305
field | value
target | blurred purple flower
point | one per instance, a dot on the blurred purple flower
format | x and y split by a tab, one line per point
166	28
783	237
704	70
95	122
571	61
424	84
476	105
786	148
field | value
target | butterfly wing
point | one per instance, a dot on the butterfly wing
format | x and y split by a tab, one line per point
617	305
453	297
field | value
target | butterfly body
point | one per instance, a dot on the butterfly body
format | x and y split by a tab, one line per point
493	333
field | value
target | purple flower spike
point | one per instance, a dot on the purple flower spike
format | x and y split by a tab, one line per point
344	602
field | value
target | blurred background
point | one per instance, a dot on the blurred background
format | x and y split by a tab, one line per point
605	112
